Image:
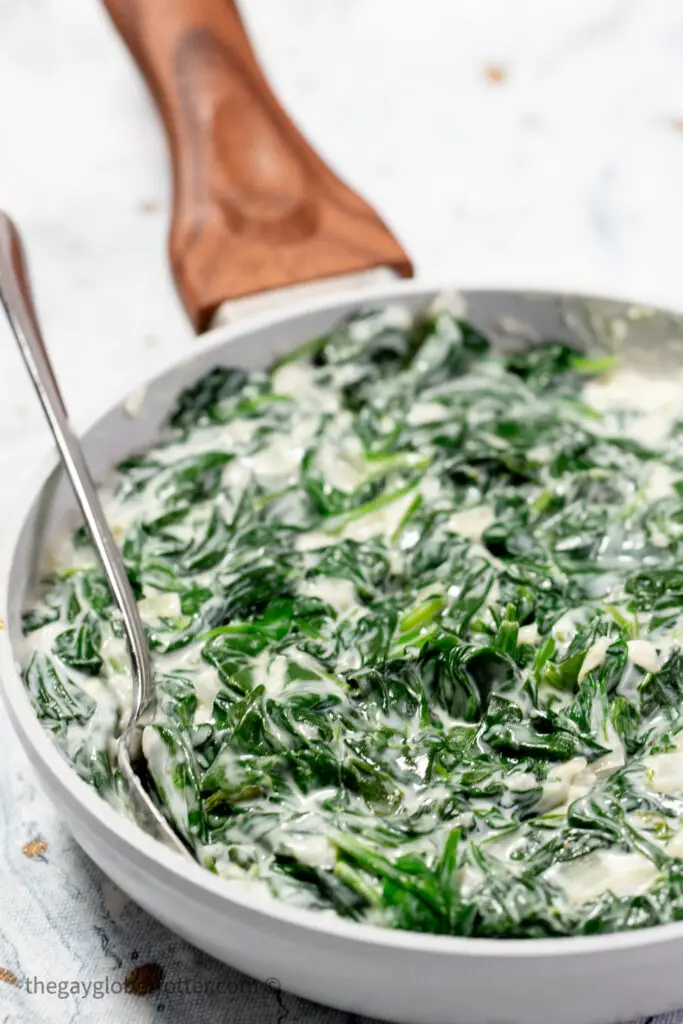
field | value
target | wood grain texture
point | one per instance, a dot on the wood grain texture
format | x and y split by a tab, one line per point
254	207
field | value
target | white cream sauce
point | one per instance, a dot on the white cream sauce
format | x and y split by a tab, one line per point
586	878
472	522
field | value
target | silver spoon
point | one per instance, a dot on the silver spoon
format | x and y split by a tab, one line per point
15	296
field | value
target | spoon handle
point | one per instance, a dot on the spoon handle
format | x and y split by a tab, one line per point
15	295
16	298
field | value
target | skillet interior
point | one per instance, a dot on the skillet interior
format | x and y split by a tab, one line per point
644	336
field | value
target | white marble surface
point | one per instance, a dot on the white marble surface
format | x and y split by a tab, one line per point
569	173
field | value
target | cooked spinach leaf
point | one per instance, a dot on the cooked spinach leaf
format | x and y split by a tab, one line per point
416	609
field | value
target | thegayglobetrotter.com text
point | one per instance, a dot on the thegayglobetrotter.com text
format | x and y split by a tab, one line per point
135	985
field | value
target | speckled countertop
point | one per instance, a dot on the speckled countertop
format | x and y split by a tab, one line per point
506	143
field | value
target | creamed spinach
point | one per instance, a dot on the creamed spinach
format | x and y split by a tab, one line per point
415	608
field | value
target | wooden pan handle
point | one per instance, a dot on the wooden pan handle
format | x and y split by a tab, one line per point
254	206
